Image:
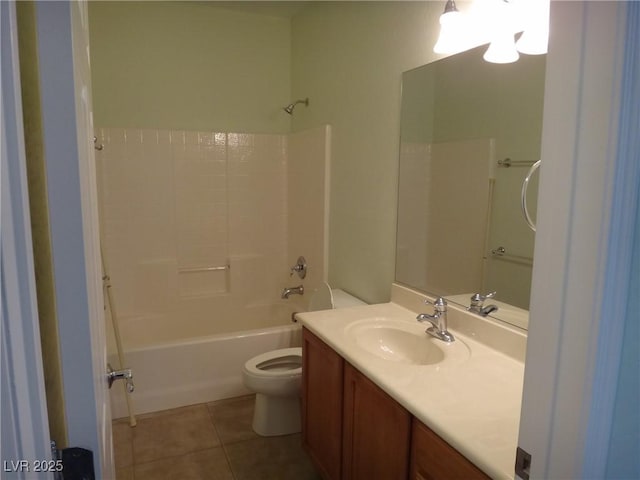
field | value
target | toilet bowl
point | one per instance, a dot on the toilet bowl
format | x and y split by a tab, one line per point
276	376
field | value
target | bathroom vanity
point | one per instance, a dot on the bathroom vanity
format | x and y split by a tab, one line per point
381	399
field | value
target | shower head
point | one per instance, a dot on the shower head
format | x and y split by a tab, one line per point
289	108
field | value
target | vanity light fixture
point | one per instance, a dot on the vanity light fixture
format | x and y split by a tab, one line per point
498	21
450	39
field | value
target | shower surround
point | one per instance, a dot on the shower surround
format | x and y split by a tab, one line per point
199	230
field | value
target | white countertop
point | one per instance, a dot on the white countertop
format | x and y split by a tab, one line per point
472	399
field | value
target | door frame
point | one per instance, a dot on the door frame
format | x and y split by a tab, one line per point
576	314
24	421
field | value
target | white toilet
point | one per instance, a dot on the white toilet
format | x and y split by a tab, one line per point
276	376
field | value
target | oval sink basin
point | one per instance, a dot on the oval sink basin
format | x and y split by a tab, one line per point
403	342
399	346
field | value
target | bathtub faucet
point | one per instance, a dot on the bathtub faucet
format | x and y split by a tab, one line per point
299	290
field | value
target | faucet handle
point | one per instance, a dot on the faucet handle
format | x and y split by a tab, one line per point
478	299
440	304
300	268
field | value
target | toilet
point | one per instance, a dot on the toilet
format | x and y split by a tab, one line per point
276	376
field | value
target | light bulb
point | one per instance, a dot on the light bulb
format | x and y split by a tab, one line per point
502	49
535	38
451	35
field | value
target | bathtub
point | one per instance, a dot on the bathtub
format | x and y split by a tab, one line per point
195	370
199	368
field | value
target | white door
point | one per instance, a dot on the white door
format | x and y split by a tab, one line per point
63	48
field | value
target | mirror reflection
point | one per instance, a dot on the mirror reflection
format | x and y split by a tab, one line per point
470	132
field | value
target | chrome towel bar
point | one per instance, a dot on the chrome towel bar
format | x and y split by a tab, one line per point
501	254
507	162
204	269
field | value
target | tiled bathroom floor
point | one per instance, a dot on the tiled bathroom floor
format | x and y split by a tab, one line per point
206	441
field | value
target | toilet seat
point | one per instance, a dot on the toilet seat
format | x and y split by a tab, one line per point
285	362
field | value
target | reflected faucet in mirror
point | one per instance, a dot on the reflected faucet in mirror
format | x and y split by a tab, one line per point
477	304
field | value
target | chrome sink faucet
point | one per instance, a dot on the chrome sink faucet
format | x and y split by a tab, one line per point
438	320
299	290
477	304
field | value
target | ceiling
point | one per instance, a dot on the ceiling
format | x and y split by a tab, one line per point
284	9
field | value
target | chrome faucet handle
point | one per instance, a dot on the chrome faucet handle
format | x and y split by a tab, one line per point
440	304
300	268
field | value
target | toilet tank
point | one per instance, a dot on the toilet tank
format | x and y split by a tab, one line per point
327	298
342	299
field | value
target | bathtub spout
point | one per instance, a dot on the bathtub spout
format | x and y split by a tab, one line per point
299	290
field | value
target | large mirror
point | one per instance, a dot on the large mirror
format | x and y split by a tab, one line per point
470	132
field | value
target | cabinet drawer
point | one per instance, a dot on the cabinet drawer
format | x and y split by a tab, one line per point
434	459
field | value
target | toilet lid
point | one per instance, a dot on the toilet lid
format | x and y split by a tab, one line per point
321	299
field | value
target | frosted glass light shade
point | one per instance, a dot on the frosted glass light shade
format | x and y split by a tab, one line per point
502	50
533	42
451	34
535	38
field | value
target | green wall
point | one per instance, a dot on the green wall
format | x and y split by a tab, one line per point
348	57
189	65
478	99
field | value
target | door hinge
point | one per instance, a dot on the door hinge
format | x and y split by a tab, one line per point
523	463
56	456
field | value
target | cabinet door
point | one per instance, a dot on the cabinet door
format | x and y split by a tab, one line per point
322	381
434	459
376	431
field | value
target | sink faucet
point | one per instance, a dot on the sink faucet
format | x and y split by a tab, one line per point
438	320
477	304
299	290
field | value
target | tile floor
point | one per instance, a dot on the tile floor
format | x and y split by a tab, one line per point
206	441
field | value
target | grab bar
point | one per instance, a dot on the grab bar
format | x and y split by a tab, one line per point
523	204
204	269
507	162
501	254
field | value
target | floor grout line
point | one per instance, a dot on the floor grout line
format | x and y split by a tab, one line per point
222	443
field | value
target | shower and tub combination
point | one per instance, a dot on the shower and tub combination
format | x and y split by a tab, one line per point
196	230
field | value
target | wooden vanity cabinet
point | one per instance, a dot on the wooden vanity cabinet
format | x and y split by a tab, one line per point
434	459
353	430
376	431
322	384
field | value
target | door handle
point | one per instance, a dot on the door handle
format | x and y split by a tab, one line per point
125	374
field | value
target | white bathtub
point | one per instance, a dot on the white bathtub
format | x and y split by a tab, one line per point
196	370
199	367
